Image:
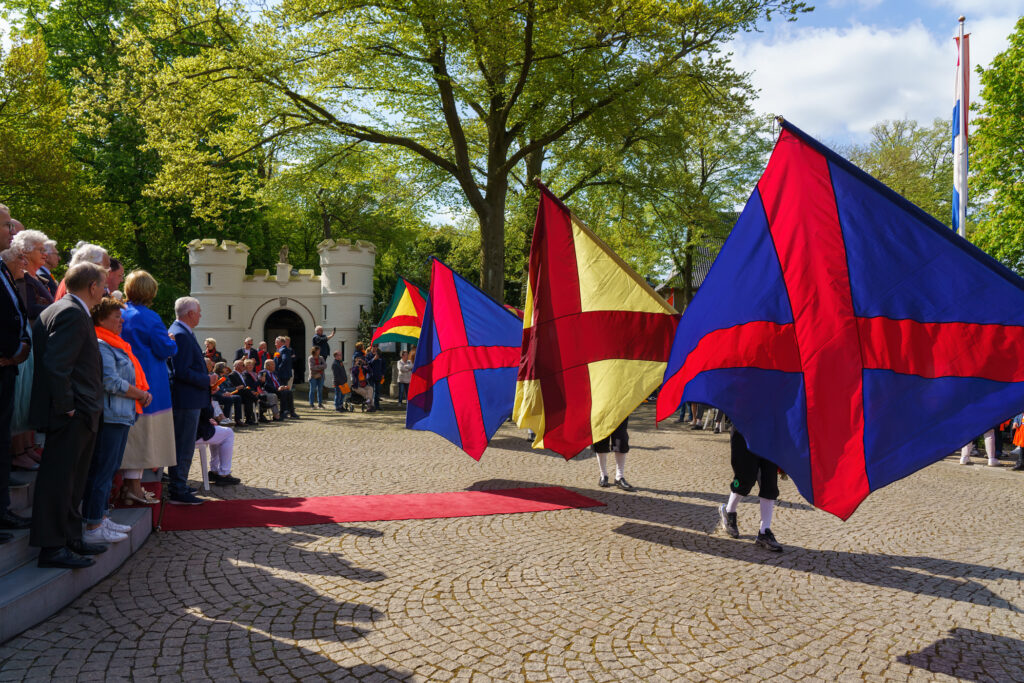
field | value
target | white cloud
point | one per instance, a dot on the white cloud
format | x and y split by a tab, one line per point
837	83
975	8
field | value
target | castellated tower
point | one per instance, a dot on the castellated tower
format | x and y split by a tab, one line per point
346	287
218	270
267	304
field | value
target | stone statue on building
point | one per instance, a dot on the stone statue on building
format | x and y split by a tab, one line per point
282	256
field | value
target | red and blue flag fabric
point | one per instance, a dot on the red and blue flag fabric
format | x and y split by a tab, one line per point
464	377
852	338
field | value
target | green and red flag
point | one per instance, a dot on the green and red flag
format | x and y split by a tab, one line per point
403	318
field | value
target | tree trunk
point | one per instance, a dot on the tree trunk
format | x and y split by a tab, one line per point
687	275
492	241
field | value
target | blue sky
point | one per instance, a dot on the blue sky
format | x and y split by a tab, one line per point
853	63
850	64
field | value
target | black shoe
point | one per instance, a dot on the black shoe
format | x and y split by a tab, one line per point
213	477
729	522
603	482
4	538
227	480
696	427
185	499
1019	466
293	416
63	558
9	520
767	541
624	485
80	547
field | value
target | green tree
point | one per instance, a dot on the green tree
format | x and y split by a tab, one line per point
913	160
44	185
997	157
468	90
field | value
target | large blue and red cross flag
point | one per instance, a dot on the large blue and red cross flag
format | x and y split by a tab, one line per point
464	377
851	337
595	335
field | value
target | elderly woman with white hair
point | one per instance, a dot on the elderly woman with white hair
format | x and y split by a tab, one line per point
32	245
84	253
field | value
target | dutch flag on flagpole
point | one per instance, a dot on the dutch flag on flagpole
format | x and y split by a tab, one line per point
962	104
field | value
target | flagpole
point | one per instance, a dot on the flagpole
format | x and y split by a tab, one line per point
960	159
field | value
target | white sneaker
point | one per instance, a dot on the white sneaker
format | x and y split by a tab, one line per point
226	422
114	526
102	534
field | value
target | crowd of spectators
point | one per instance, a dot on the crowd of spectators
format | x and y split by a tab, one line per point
95	391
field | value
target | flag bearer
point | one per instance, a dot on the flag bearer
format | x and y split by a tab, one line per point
747	468
618	443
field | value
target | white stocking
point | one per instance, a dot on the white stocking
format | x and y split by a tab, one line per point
602	463
767	510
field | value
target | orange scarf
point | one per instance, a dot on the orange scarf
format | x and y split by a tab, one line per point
106	335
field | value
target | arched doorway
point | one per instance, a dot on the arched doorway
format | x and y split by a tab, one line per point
285	323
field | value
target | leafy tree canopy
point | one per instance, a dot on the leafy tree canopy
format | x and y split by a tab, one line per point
465	90
997	155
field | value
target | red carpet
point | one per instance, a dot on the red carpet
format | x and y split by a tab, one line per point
230	514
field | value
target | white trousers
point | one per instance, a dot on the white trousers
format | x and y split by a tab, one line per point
222	447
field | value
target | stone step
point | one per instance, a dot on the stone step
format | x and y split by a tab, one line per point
16	552
22	487
28	594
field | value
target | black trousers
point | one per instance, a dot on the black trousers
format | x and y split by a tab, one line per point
616	442
286	401
60	484
748	467
230	404
8	376
248	400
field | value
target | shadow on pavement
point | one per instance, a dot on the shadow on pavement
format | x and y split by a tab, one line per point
628	505
262	599
970	655
924	575
719	498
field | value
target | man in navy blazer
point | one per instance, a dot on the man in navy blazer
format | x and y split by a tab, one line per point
190	393
283	357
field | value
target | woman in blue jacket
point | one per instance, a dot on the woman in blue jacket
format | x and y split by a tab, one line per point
151	439
124	386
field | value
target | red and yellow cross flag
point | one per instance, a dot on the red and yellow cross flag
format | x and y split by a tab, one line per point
596	337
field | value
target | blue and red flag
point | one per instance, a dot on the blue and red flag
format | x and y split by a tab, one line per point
851	337
464	377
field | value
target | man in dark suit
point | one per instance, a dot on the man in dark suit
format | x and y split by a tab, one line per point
14	348
272	385
67	403
237	380
247	351
283	359
190	393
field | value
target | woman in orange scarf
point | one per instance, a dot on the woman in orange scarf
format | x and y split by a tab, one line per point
126	395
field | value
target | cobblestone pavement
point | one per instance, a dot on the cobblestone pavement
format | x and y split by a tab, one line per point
925	582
